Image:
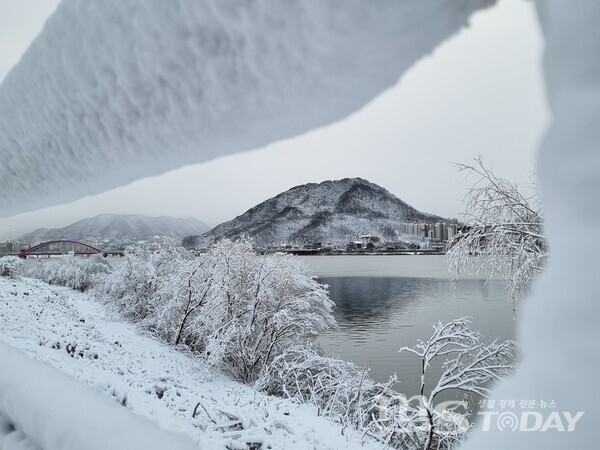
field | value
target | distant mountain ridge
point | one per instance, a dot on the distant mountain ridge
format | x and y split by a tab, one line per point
117	229
330	211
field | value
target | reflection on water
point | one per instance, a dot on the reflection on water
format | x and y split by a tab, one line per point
378	315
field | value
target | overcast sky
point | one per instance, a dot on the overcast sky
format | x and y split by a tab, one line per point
451	106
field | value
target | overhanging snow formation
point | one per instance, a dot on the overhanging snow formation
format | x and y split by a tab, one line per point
116	90
558	326
41	408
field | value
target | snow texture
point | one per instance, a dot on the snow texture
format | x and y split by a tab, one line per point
558	327
117	90
59	414
78	336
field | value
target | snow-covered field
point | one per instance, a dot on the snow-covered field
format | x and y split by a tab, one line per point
82	338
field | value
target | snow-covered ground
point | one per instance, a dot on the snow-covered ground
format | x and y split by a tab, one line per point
82	338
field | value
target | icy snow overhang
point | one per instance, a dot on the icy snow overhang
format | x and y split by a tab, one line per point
113	91
558	325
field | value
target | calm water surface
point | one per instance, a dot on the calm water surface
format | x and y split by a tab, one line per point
386	302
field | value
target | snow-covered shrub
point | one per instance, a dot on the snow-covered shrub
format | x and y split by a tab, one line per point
264	305
346	393
76	272
10	266
240	309
338	388
133	285
406	424
179	315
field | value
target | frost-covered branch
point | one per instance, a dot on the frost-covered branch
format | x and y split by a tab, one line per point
503	234
470	365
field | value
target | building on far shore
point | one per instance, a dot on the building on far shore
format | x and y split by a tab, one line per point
354	245
10	247
440	231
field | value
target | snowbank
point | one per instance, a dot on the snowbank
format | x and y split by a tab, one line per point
116	90
43	408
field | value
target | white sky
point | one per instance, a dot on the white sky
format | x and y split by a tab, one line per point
451	106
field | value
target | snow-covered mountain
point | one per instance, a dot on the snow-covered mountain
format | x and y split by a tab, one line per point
331	211
117	229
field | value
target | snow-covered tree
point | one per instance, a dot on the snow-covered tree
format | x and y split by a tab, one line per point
503	232
133	285
80	273
238	309
10	266
470	365
179	310
261	306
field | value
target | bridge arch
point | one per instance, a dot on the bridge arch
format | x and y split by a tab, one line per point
36	248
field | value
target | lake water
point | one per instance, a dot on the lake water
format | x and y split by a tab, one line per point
387	302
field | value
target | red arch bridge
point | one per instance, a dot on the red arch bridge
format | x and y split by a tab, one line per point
61	247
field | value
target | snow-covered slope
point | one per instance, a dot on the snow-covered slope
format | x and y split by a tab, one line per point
117	229
115	90
330	211
59	414
80	337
